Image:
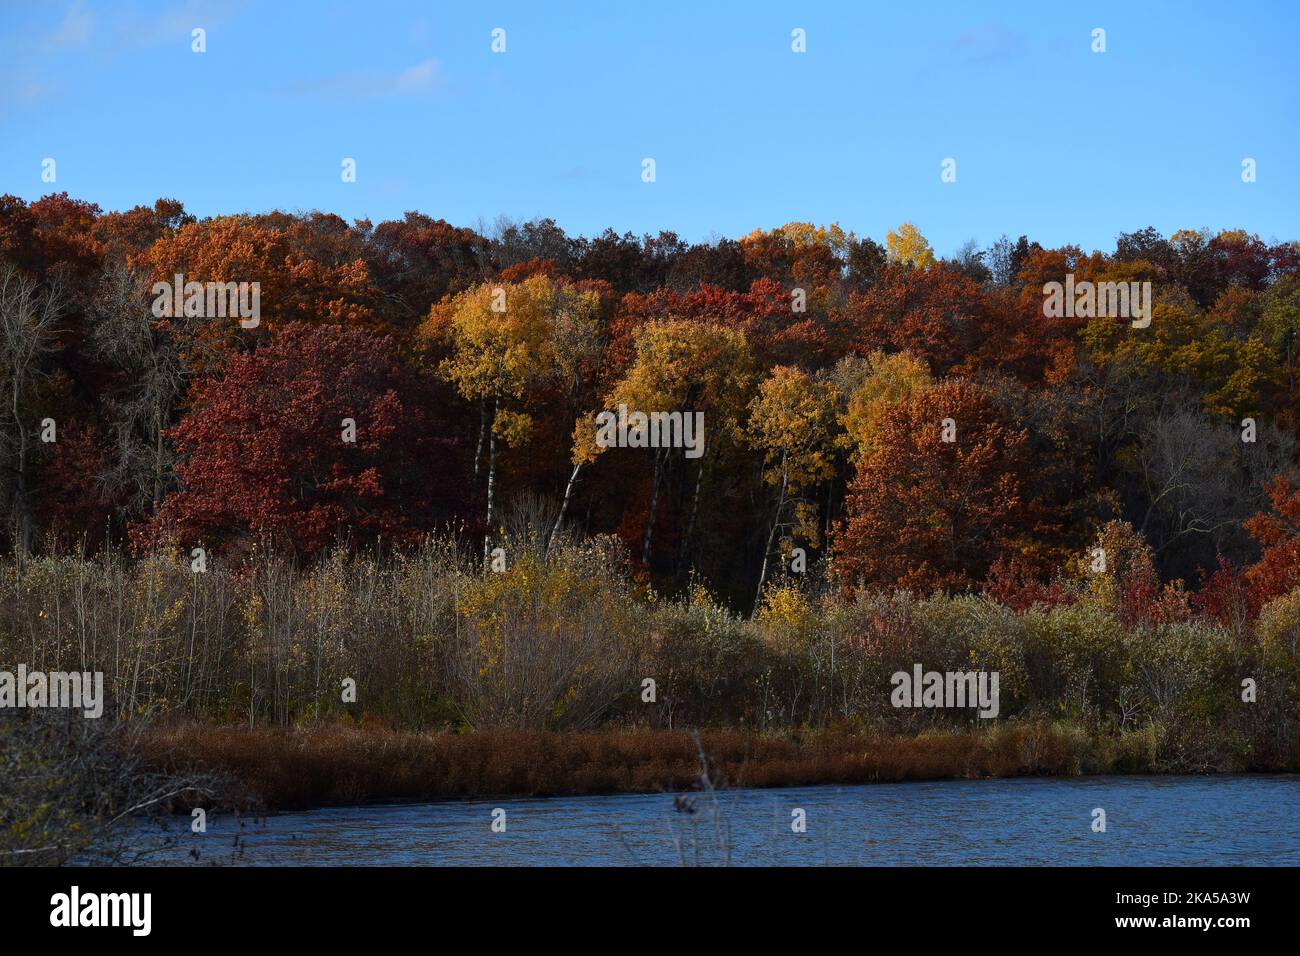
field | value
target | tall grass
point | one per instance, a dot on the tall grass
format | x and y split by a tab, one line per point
343	764
563	640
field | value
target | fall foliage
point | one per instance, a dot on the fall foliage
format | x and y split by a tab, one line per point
929	510
825	365
263	452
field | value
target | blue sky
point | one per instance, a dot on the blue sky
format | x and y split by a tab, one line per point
1050	139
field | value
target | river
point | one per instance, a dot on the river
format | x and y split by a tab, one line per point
1224	820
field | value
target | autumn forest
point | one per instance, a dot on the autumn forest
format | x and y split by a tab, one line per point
355	535
824	365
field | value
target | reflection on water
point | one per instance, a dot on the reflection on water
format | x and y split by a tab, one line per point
1226	820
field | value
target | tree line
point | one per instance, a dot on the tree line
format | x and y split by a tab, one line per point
875	415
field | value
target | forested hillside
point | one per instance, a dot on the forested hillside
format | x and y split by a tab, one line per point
825	364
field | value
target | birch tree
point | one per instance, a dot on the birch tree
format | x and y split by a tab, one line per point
687	367
793	423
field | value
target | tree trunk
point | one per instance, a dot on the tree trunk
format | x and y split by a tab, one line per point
1290	359
564	507
482	427
22	514
650	521
695	508
776	523
830	501
491	478
157	460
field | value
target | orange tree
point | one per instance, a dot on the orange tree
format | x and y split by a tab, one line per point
927	513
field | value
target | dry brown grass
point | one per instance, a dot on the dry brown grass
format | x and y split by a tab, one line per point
337	764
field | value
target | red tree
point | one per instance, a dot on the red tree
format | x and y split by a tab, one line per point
263	450
1278	533
938	314
777	334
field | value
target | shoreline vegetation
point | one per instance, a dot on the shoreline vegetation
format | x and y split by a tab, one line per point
424	674
278	769
566	639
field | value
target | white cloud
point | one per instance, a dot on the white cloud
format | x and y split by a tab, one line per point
173	24
424	77
74	31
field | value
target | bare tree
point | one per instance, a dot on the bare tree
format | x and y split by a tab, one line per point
1201	482
28	320
149	355
1186	464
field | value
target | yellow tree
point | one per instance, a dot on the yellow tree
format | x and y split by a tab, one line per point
804	235
908	247
578	345
792	421
883	381
685	367
1233	371
1280	324
506	341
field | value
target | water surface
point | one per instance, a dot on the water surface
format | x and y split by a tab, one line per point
1224	820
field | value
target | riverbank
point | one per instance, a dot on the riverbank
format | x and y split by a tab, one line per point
338	764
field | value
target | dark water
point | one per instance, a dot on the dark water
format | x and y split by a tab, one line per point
1227	820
